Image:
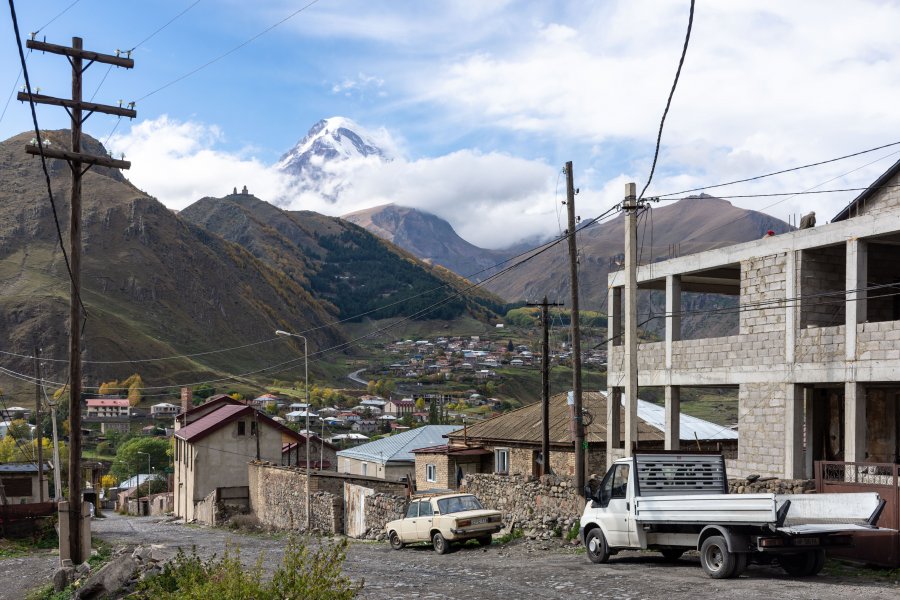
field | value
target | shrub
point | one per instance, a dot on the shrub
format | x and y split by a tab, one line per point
304	573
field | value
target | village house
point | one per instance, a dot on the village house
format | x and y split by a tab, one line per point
20	482
511	443
212	452
815	349
391	457
107	407
164	409
400	408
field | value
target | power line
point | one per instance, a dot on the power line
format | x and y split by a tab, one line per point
803	193
64	11
781	172
662	122
229	52
40	144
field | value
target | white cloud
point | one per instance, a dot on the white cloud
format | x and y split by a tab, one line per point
177	162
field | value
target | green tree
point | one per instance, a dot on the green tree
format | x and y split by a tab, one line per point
434	417
420	404
129	461
19	430
509	346
202	392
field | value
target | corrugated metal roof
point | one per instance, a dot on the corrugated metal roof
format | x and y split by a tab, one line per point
222	416
655	415
399	447
23	468
524	424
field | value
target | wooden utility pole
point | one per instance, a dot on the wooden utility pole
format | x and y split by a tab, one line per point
630	206
38	422
576	332
545	384
77	161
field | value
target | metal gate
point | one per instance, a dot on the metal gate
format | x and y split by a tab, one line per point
355	509
878	548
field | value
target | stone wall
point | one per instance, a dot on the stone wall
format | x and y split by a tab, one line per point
205	511
540	507
381	509
772	486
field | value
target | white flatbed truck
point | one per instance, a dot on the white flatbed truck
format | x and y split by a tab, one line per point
674	502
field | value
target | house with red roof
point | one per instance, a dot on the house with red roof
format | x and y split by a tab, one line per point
108	407
213	450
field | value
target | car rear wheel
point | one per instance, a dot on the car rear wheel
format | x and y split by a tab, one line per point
716	559
597	548
441	546
396	544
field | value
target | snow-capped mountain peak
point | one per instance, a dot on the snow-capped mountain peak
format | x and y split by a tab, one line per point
335	138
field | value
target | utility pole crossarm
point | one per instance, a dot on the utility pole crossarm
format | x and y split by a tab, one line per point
88	159
90	107
109	59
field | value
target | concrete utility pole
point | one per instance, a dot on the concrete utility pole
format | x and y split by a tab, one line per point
76	159
545	384
630	206
576	332
38	422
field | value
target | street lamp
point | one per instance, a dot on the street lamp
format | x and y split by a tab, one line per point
281	332
147	479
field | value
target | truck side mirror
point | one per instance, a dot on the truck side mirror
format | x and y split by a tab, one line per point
588	494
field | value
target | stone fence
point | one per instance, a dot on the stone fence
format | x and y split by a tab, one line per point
772	486
379	510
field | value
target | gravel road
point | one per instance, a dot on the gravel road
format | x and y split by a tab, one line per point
515	571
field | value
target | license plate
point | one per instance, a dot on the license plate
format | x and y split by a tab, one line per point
479	521
806	542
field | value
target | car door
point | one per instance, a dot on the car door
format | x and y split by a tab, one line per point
423	521
408	524
615	516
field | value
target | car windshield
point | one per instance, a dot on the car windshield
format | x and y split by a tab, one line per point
459	504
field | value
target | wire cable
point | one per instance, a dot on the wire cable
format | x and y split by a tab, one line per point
662	122
48	23
229	52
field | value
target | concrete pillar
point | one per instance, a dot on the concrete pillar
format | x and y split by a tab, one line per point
791	307
809	415
856	281
65	527
854	422
613	422
673	315
793	431
673	417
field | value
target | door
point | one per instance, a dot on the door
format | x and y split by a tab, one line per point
615	516
423	521
408	524
355	509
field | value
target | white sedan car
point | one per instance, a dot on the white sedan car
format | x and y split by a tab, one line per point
444	519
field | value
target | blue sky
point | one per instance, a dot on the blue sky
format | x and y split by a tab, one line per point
484	101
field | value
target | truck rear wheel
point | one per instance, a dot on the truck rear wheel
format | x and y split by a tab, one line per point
803	564
672	554
716	559
597	548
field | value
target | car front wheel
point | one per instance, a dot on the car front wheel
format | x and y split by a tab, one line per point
396	544
441	545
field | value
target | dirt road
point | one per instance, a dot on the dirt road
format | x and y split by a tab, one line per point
515	571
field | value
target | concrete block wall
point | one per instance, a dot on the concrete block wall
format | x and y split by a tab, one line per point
822	270
878	341
820	344
761	410
885	200
442	468
763	279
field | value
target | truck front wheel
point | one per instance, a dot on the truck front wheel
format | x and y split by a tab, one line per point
716	559
597	548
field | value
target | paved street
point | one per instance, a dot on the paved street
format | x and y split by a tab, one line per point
515	571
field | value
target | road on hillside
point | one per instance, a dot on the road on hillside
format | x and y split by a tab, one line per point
355	378
522	569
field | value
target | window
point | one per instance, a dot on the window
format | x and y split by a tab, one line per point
501	461
365	468
615	484
430	473
425	509
253	428
413	510
458	504
242	428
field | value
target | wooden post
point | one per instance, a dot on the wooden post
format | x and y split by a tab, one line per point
576	332
38	422
76	56
545	384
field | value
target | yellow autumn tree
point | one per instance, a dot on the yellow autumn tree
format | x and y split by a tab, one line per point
134	385
108	481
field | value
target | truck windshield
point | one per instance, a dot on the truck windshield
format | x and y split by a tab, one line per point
459	504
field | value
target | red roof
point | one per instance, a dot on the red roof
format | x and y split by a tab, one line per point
220	417
445	449
107	402
217	399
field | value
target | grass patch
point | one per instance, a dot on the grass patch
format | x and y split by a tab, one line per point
572	534
44	538
846	569
506	538
304	573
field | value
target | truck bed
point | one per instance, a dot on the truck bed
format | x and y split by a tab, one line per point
758	509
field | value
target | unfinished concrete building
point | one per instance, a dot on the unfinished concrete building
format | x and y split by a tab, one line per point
815	352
